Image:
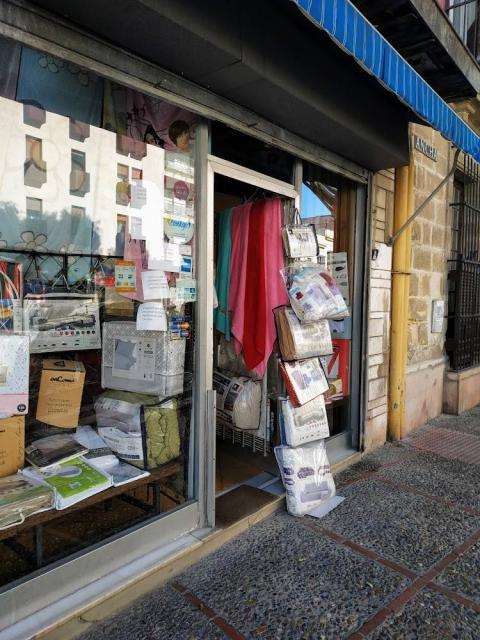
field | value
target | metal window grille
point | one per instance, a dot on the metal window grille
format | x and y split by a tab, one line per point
465	17
463	329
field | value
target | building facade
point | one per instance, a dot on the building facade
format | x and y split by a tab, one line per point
127	134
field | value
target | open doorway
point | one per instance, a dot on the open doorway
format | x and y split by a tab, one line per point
243	471
246	473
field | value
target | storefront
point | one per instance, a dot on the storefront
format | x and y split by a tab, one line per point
117	193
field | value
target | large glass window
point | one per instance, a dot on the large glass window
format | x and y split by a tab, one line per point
329	203
97	308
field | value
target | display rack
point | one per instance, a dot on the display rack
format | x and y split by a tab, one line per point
248	439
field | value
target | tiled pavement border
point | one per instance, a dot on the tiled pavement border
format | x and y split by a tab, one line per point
409	455
419	581
214	618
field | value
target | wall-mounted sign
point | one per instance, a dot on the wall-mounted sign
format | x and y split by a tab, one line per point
427	149
438	313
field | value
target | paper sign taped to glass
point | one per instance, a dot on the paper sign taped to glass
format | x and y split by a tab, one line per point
62	322
14	372
179	229
143	361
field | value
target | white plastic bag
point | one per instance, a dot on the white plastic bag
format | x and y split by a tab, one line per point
238	401
306	476
314	295
304	424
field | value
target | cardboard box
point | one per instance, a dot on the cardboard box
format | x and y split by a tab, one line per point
60	395
12	445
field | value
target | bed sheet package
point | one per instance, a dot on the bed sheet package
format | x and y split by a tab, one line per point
239	401
142	361
307	423
298	341
138	428
304	379
314	295
306	476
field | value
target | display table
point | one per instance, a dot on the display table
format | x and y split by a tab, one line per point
37	521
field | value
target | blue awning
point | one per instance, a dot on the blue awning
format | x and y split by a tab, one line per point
350	30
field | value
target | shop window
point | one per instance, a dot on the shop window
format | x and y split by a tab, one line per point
104	362
79	178
328	202
35	168
464	15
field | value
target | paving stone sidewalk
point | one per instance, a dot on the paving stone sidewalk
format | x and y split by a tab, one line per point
398	559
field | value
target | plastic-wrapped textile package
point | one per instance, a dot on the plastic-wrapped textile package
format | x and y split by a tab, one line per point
306	476
138	428
307	423
298	341
20	498
238	401
142	361
304	379
314	295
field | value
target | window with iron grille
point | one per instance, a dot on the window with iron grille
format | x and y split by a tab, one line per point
463	329
465	17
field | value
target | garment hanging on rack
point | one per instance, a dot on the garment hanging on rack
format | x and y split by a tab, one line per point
238	271
265	289
255	291
222	280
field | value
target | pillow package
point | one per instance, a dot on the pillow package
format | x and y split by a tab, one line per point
300	425
306	476
314	295
138	428
239	401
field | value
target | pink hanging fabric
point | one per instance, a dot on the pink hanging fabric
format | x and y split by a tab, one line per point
275	290
255	327
238	272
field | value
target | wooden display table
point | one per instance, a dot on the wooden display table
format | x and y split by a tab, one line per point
36	521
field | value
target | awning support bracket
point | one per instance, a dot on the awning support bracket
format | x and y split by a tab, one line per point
419	209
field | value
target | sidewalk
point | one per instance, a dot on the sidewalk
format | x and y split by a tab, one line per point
399	558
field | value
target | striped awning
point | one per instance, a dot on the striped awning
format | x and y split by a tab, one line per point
351	31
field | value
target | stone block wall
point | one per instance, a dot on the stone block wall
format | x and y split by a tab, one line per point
431	241
430	248
379	310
